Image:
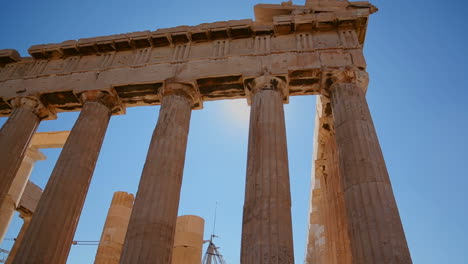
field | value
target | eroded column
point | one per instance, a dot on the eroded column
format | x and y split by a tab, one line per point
113	233
50	234
150	235
188	241
15	137
266	227
11	200
375	229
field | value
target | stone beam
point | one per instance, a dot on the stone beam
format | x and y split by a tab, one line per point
26	207
295	45
11	201
31	195
54	139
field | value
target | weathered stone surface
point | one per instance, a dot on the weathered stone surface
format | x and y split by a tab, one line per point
15	137
113	233
19	238
49	237
7	210
150	235
328	240
336	230
266	225
283	38
27	206
30	198
188	240
315	49
24	195
11	201
8	56
375	230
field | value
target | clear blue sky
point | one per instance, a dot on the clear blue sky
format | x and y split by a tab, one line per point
416	53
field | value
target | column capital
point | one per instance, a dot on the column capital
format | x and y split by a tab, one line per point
182	89
106	98
342	77
266	82
34	105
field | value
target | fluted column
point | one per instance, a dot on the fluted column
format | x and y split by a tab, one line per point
15	137
150	235
50	234
375	229
113	233
19	238
266	227
10	201
188	241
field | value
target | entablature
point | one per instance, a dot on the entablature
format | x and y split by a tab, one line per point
218	59
271	20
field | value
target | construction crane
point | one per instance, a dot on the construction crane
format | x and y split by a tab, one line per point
212	255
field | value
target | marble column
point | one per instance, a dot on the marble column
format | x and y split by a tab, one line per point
113	233
375	230
150	235
15	137
26	220
266	227
336	228
10	201
188	241
50	234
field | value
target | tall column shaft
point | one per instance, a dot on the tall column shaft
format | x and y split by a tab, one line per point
150	235
375	229
7	210
19	238
15	137
188	240
336	239
50	234
113	233
266	226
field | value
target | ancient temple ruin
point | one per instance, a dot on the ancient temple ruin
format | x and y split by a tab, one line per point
288	50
